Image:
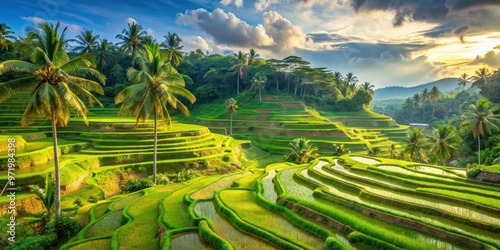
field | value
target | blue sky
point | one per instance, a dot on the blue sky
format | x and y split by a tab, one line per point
402	43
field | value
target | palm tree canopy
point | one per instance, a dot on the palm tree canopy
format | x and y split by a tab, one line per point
5	36
103	54
463	80
56	81
239	62
415	145
444	143
480	118
231	105
480	77
156	86
174	49
131	38
368	87
252	55
258	81
302	151
86	41
434	94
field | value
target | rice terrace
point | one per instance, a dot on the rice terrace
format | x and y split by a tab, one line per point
251	126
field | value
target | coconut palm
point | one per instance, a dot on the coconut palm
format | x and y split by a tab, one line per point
425	96
231	107
480	77
103	54
480	119
444	143
56	83
416	144
392	150
252	55
434	94
258	82
339	150
417	98
350	83
156	85
463	80
86	41
368	87
131	38
5	35
239	68
174	49
302	151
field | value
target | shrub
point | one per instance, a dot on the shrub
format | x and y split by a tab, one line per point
226	158
136	185
186	174
474	171
162	179
93	199
251	128
78	202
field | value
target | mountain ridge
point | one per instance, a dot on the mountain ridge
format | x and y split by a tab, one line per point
400	92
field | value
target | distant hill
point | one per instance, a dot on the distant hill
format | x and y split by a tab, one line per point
444	85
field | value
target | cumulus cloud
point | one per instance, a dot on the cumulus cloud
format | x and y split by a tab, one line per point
37	20
237	3
286	35
130	20
491	58
150	31
261	5
192	43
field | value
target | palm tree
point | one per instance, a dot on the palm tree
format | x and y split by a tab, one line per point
464	79
5	35
444	143
239	68
252	55
392	150
480	77
258	82
102	54
302	151
46	196
338	80
86	41
339	150
368	87
131	38
434	94
56	83
231	107
174	49
416	144
417	98
373	151
156	85
424	96
350	83
480	119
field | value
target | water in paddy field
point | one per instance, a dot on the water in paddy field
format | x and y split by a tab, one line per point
434	171
364	160
188	241
268	186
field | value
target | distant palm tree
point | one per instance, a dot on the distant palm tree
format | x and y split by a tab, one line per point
338	80
464	79
480	119
86	41
302	151
415	145
339	150
156	87
392	150
56	83
131	38
231	107
434	94
424	96
350	83
480	77
239	68
417	98
373	151
368	87
258	82
5	35
252	56
444	143
103	54
174	49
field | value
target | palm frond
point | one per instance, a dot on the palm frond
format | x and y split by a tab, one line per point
17	66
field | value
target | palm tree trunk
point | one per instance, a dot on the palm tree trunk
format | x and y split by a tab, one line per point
56	168
237	84
231	125
277	85
155	145
434	108
479	149
260	97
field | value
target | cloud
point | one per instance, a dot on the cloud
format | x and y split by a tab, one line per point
192	43
237	3
37	20
226	28
130	20
491	58
261	5
286	35
150	31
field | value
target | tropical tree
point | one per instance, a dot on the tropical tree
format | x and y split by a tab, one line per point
258	82
46	196
417	98
56	83
416	144
5	35
231	107
131	38
302	151
480	119
392	150
424	96
339	150
252	55
350	83
463	80
103	54
444	143
239	68
86	41
174	49
480	77
368	87
156	85
434	94
373	151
